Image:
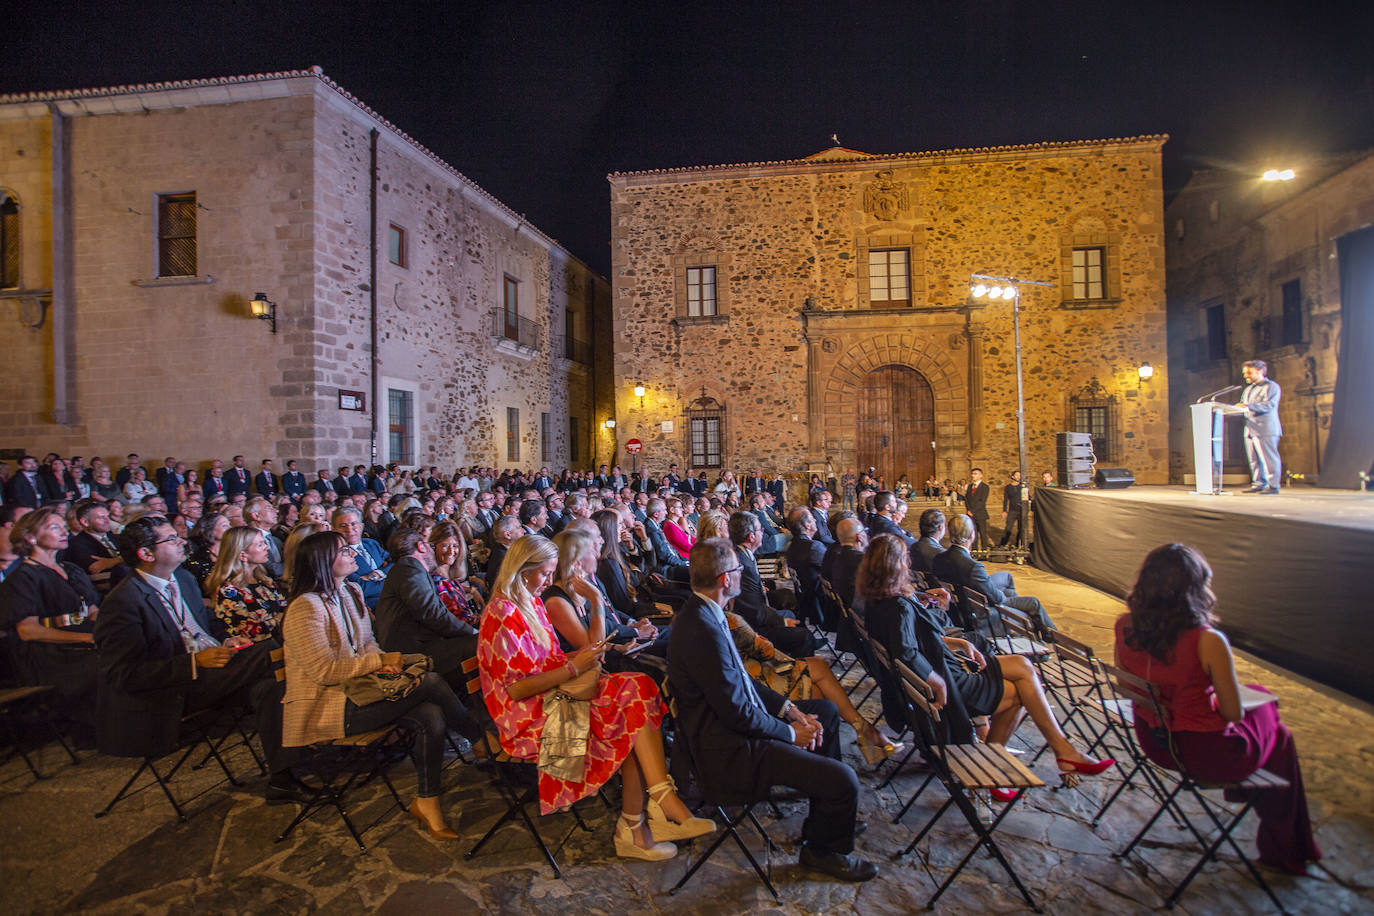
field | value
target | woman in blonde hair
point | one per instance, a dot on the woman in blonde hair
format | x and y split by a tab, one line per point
244	597
520	660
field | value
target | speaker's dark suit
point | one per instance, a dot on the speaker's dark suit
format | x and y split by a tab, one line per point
411	618
739	745
147	678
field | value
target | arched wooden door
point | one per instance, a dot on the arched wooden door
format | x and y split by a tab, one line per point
896	425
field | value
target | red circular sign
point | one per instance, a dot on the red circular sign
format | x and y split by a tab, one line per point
634	446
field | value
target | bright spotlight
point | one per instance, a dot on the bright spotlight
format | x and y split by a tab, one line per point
979	291
995	292
1279	175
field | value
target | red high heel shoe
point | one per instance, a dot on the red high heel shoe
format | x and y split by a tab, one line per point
1070	770
1002	795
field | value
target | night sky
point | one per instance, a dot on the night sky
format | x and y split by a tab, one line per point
537	102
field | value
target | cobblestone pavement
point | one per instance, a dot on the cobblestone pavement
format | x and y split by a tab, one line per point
225	860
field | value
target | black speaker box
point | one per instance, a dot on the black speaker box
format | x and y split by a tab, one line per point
1113	478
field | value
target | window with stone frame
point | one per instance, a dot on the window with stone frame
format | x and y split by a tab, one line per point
1090	265
512	433
545	438
701	291
9	241
176	234
396	245
889	277
1093	411
706	432
400	426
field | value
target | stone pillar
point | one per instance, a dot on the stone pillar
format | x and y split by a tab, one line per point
815	439
975	389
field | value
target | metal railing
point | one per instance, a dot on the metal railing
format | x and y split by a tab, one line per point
516	328
572	349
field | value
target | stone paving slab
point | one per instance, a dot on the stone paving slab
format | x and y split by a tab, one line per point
226	860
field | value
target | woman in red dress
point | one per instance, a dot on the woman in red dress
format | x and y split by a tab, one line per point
520	659
1168	639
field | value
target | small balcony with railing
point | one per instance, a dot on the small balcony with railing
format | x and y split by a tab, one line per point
574	353
515	334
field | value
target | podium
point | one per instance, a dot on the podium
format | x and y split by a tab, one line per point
1209	436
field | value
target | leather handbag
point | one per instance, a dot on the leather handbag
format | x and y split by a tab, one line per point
582	687
377	686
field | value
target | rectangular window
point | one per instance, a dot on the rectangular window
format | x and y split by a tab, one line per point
705	433
701	291
176	235
574	440
9	242
1094	422
396	245
1216	332
1292	313
545	438
512	434
510	304
889	278
400	426
1087	273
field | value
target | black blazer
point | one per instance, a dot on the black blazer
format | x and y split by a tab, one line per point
957	567
779	489
881	524
236	480
145	671
805	556
753	485
725	730
752	601
212	487
844	572
976	500
293	484
911	633
923	554
615	586
822	526
665	557
20	492
411	618
266	484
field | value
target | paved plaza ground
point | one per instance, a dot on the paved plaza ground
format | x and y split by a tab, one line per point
139	860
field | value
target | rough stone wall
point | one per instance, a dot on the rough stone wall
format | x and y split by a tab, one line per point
283	187
1234	241
795	232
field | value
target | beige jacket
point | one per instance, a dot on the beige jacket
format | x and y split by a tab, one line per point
318	659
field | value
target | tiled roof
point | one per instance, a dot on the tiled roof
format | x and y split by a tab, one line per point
315	72
848	155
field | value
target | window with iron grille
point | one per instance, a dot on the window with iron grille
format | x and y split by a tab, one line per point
574	440
889	277
512	434
400	426
705	427
176	235
1093	411
545	438
701	291
1088	277
9	241
1292	313
396	245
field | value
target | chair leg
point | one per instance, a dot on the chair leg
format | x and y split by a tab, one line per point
985	840
912	800
120	794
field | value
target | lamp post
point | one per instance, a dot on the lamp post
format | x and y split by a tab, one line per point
1012	290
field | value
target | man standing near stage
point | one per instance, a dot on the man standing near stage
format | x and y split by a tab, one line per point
976	502
1262	429
1011	512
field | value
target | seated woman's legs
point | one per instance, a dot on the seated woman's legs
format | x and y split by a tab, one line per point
825	684
1022	691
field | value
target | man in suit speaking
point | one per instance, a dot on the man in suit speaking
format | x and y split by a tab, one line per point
1262	429
746	737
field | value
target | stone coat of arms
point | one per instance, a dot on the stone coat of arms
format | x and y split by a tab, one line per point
885	198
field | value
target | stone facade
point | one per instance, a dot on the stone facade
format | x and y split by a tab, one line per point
1237	245
280	167
804	360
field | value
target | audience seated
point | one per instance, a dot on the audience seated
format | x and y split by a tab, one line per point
925	550
410	615
957	566
675	527
203	546
1168	638
820	500
777	626
746	737
804	558
260	514
848	554
91	547
520	662
667	562
245	597
504	532
25	488
461	597
369	558
888	512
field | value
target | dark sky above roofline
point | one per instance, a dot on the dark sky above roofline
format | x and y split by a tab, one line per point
538	102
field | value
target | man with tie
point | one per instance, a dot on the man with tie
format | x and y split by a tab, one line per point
888	512
92	548
976	502
820	511
168	466
265	481
23	488
214	481
126	472
754	483
746	738
372	564
237	480
1262	427
779	627
293	482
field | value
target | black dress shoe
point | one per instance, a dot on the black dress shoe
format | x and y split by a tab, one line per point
1270	491
840	867
288	793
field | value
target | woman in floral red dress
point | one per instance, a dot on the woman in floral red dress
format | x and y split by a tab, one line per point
520	659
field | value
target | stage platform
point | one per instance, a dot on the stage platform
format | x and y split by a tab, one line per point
1293	573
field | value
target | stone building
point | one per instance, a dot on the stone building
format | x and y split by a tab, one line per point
418	319
780	313
1253	275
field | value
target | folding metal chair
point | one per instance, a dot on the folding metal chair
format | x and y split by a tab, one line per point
962	769
1223	820
20	703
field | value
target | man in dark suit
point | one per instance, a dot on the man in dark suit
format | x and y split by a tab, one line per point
844	558
92	548
779	627
24	488
412	619
265	481
642	483
262	515
888	512
214	481
168	466
293	482
746	738
804	558
323	485
161	656
777	487
340	483
357	481
976	503
924	551
169	483
1011	512
125	473
820	511
237	480
958	567
372	563
773	541
504	533
754	483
